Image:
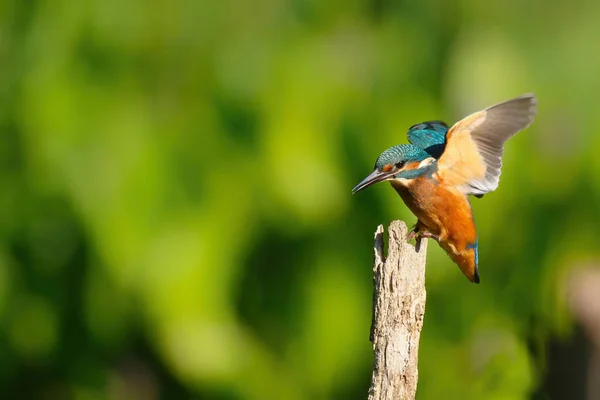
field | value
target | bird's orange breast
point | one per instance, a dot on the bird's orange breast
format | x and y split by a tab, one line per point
446	212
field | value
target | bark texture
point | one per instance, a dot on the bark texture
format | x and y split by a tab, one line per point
398	311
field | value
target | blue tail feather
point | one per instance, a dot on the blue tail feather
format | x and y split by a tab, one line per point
475	247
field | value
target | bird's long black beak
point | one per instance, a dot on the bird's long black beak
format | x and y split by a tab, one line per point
374	177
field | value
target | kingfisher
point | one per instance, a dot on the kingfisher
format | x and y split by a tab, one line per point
441	167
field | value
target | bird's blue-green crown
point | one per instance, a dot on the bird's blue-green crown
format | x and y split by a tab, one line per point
400	154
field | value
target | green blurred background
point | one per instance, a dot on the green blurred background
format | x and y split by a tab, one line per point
176	219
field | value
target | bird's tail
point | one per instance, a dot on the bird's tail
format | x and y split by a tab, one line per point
467	260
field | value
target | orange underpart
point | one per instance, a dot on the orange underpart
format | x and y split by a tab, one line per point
444	211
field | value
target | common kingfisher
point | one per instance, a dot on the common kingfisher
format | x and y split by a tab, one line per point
442	166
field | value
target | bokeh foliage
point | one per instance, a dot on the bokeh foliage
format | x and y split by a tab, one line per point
176	215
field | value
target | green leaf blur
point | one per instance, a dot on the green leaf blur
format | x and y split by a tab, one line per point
175	208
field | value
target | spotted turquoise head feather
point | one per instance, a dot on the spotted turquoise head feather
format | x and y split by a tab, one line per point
393	163
399	155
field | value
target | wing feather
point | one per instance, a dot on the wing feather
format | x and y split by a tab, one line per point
472	158
430	136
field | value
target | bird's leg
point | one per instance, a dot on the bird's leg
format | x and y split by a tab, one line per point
420	231
429	235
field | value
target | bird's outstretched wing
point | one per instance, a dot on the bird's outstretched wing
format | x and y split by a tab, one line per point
430	136
472	159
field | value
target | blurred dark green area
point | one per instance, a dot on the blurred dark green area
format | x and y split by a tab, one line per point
175	211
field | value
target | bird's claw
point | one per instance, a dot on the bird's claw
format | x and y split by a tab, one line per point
421	235
412	235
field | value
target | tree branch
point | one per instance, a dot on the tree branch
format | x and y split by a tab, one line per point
398	311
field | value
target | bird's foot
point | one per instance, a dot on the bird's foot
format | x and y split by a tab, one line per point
429	235
419	234
413	234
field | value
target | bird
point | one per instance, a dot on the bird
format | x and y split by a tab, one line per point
442	166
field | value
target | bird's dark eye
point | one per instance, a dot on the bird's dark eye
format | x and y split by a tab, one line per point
400	164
